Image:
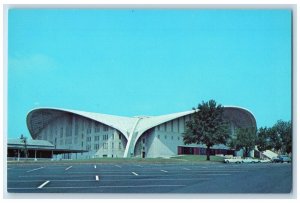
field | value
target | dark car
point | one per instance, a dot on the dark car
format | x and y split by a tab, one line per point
281	159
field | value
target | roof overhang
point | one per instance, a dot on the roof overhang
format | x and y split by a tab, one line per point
37	119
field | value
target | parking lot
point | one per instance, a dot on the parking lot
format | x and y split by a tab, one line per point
149	178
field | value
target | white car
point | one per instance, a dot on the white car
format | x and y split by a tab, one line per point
265	161
237	160
250	160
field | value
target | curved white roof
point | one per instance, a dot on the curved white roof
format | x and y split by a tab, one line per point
131	127
122	123
152	121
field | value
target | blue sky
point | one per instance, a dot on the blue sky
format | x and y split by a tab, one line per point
148	62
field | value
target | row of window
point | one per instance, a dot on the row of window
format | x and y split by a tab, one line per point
97	127
104	137
163	127
88	139
49	132
104	145
172	137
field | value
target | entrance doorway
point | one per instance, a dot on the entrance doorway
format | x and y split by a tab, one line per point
143	154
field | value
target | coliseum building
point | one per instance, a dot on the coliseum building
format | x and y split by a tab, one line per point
103	135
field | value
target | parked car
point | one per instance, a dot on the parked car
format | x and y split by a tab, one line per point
237	160
250	160
281	159
265	161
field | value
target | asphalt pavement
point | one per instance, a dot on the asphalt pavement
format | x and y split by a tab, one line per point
149	178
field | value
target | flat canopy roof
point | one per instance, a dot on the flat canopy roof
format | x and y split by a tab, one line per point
55	151
39	145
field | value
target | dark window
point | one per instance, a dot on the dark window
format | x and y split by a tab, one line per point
105	128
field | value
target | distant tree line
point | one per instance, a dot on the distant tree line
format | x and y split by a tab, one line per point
276	138
209	127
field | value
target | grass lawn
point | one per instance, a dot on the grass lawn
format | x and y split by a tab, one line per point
176	159
199	158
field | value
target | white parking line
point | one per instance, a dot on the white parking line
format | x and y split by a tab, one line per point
68	168
118	166
113	186
118	175
34	169
186	169
139	165
42	185
114	180
55	175
164	171
97	178
134	173
52	180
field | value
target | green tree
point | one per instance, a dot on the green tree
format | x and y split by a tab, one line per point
277	138
245	139
24	141
284	131
274	139
207	126
262	139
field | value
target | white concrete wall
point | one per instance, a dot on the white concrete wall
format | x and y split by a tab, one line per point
163	140
108	141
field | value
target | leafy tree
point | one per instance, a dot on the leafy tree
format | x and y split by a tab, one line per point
262	139
284	131
207	126
274	139
245	139
278	137
267	139
24	140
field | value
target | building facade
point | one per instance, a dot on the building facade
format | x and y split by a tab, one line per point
105	135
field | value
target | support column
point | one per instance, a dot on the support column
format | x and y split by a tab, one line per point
35	155
129	150
18	155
